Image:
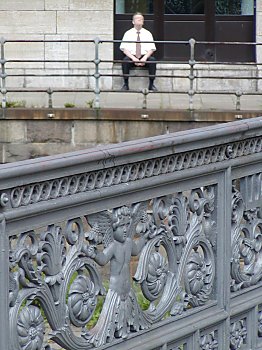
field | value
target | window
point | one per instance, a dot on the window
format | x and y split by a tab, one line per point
234	7
184	7
132	6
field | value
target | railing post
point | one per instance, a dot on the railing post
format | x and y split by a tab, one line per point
97	75
4	286
3	73
238	95
50	100
191	76
145	93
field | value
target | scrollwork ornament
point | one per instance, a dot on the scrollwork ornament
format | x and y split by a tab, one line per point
208	342
197	201
74	232
51	258
13	287
238	334
209	224
178	223
22	255
196	258
47	265
156	273
259	324
246	245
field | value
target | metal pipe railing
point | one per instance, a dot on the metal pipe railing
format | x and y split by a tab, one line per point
97	73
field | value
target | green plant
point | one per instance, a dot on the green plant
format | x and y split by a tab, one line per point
100	301
69	105
15	104
142	301
90	103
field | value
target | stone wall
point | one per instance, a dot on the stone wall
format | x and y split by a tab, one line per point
48	20
33	133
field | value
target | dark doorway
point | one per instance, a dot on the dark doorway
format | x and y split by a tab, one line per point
204	20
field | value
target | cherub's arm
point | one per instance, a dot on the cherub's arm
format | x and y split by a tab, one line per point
102	258
138	245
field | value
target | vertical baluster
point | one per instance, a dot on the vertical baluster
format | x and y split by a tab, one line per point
191	76
97	75
3	73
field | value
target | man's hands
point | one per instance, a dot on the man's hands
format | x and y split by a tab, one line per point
138	62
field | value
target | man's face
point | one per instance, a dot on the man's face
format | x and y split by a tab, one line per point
138	21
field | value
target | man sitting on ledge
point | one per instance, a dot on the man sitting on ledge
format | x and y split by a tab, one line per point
138	53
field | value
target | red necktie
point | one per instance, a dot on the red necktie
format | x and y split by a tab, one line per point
138	46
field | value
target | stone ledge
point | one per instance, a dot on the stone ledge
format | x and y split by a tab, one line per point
119	114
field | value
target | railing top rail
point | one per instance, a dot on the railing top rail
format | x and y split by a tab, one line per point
100	40
102	157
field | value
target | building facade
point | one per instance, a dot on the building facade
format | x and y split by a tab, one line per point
52	39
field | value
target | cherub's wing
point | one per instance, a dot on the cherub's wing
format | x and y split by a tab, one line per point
138	213
101	228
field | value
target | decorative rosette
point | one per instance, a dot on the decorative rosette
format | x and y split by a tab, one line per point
30	327
81	300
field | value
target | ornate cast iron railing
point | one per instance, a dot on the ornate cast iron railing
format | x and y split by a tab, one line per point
149	244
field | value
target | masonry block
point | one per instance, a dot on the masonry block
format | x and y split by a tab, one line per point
49	131
12	131
84	22
56	5
92	5
56	50
25	51
86	51
22	5
27	22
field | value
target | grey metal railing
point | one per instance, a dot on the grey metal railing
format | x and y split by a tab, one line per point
176	217
97	74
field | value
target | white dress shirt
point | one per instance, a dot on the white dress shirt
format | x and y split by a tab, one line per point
131	35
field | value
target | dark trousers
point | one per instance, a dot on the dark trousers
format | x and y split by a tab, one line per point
150	64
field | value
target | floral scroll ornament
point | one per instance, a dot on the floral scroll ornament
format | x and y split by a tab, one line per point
199	275
51	258
30	327
81	300
208	342
157	273
260	324
246	244
238	334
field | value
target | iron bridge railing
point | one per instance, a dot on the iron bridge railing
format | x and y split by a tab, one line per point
24	75
152	244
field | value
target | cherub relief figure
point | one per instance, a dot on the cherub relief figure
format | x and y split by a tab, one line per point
121	312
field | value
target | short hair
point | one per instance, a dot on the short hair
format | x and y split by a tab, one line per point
119	215
138	14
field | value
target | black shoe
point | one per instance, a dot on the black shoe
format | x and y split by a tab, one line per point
152	88
125	87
